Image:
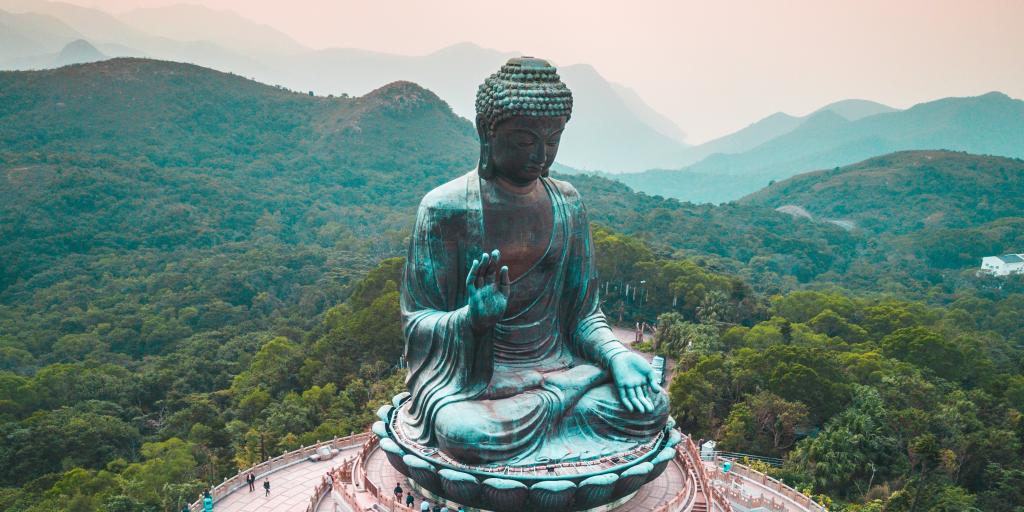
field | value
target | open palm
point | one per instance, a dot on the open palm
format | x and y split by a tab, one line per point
488	287
635	381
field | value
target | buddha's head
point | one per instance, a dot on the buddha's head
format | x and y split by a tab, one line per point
520	113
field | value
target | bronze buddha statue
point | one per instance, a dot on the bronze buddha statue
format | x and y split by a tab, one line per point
511	360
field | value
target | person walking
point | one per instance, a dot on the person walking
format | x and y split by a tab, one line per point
266	487
398	492
425	506
251	480
409	500
207	502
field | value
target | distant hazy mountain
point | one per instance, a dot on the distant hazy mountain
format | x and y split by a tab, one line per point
91	24
115	38
185	22
749	137
853	110
78	52
614	130
653	118
989	124
776	125
605	133
29	35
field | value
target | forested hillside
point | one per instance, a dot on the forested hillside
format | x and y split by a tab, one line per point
199	271
926	217
908	191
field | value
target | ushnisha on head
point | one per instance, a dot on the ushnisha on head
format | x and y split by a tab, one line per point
521	111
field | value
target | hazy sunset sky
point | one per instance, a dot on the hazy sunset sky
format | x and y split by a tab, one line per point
712	67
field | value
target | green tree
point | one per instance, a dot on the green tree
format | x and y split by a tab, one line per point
925	348
856	448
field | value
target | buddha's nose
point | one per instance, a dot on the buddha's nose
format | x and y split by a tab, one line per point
539	155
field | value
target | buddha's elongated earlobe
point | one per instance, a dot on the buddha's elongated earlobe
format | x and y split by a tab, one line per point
483	131
484	168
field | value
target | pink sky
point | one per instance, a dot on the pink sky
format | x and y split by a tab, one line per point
712	67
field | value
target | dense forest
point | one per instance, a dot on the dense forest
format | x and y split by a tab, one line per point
198	271
874	401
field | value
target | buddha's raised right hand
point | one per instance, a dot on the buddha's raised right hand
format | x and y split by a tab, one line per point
488	289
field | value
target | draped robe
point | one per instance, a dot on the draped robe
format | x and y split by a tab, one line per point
535	388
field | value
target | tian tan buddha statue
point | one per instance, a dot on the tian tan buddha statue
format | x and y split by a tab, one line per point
514	372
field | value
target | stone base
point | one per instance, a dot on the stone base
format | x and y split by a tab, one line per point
454	506
591	485
650	497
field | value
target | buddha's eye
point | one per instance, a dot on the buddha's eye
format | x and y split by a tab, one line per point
524	143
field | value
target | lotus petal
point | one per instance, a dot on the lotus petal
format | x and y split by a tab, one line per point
552	495
596	490
631	479
395	455
460	487
380	429
423	472
661	461
505	495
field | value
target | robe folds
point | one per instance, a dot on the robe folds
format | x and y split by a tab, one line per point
534	388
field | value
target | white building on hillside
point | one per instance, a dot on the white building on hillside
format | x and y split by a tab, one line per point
1003	265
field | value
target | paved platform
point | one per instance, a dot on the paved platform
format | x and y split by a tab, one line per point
648	498
290	488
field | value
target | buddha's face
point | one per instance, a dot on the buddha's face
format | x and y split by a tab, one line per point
524	147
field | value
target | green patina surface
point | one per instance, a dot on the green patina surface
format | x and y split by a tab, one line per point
511	360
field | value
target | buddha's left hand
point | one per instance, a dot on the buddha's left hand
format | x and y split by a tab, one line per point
635	381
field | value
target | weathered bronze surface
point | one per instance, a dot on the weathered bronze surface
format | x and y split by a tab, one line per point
511	361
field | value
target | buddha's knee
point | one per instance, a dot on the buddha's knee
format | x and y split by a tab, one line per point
605	401
489	430
660	400
462	425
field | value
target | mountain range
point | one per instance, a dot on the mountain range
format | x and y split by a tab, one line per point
613	131
991	124
157	158
141	155
613	128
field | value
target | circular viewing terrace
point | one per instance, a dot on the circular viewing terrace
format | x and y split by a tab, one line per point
354	475
358	478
